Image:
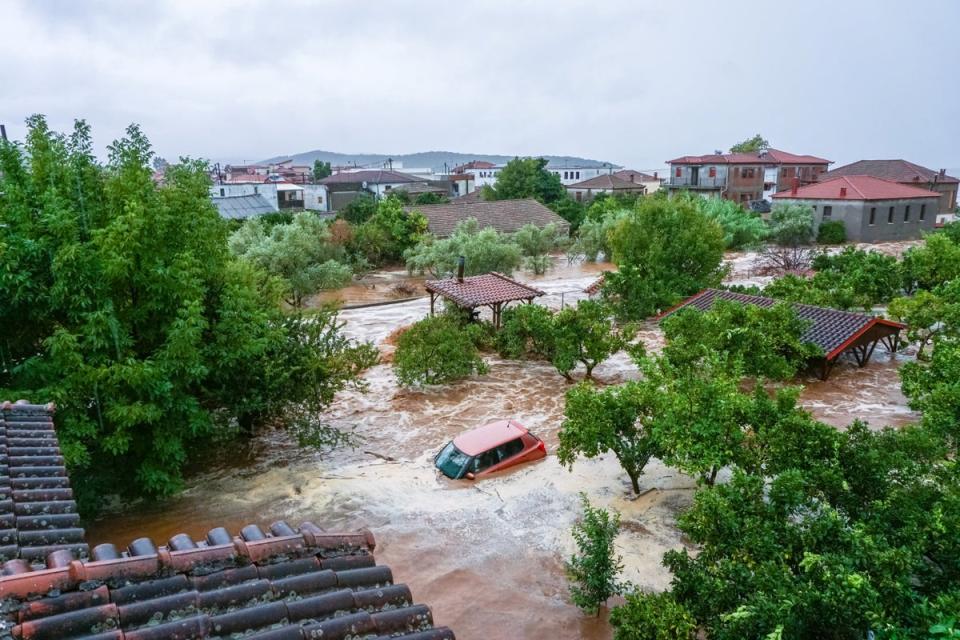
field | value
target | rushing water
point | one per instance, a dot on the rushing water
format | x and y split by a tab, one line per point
487	555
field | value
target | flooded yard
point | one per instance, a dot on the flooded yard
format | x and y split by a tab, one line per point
487	556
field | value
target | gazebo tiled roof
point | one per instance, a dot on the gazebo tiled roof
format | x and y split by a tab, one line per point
834	331
476	291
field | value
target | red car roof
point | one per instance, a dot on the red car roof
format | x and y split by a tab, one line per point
487	437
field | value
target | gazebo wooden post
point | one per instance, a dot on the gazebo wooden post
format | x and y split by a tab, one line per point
433	298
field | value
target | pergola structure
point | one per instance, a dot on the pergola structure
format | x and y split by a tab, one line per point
493	290
835	332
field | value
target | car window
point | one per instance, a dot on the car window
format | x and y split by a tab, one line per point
485	460
452	462
510	449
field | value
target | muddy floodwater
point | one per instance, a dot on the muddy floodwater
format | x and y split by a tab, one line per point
487	556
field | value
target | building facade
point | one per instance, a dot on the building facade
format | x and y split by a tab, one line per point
610	184
871	209
744	177
908	174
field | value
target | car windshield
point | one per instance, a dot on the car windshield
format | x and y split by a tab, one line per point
452	462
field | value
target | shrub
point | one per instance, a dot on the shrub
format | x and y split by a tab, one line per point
526	331
652	616
832	232
359	210
791	225
741	228
438	350
485	250
594	569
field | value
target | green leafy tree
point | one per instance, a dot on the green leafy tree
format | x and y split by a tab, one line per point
526	178
665	249
751	145
593	237
762	342
741	229
124	305
536	244
791	225
321	170
359	210
934	263
611	419
569	209
438	350
933	388
484	250
594	569
652	616
430	198
869	277
832	232
584	334
300	253
929	315
526	331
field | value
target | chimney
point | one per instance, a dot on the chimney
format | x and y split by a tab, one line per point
633	177
460	262
843	192
943	172
655	176
795	185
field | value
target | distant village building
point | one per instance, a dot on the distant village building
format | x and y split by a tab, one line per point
651	183
267	190
506	216
871	209
346	186
486	173
289	196
908	174
743	177
607	184
242	207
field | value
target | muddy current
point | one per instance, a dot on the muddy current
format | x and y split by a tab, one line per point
487	556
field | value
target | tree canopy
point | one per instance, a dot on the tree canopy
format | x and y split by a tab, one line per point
123	304
484	250
526	178
756	143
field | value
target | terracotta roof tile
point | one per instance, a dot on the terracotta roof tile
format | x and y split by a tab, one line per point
830	329
770	157
282	584
370	176
607	181
488	288
856	188
896	170
506	216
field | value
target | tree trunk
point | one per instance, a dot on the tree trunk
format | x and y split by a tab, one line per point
713	475
635	482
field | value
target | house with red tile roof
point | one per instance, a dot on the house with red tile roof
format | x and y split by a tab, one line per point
743	177
652	182
905	173
871	209
607	183
285	583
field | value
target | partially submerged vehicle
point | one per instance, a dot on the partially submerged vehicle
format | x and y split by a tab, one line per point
488	449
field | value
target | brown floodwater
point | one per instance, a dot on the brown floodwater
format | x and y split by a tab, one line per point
487	556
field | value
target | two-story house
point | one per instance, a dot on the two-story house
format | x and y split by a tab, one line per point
743	177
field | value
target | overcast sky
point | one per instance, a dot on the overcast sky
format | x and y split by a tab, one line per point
621	81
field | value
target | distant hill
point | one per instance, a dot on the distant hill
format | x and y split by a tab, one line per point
425	159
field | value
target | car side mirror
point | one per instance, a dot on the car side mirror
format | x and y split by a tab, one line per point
470	476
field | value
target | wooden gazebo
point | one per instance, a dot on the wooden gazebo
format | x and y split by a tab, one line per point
493	290
835	332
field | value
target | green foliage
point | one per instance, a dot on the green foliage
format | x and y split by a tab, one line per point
300	253
791	225
321	170
389	232
430	198
611	419
756	143
593	570
933	388
568	209
832	232
762	342
526	331
584	334
593	237
652	616
666	249
929	315
438	350
485	250
536	243
527	178
934	263
123	304
359	210
741	229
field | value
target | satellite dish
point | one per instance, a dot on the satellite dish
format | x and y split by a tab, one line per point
364	184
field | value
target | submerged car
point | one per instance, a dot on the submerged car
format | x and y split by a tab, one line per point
489	448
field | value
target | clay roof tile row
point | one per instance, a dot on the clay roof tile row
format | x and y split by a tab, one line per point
283	584
489	288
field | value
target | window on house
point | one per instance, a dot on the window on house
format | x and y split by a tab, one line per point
873	215
827	212
923	211
890	215
223	192
578	175
678	172
256	190
713	172
906	214
565	176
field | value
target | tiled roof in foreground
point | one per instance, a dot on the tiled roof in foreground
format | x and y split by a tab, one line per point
489	288
506	216
282	584
830	329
